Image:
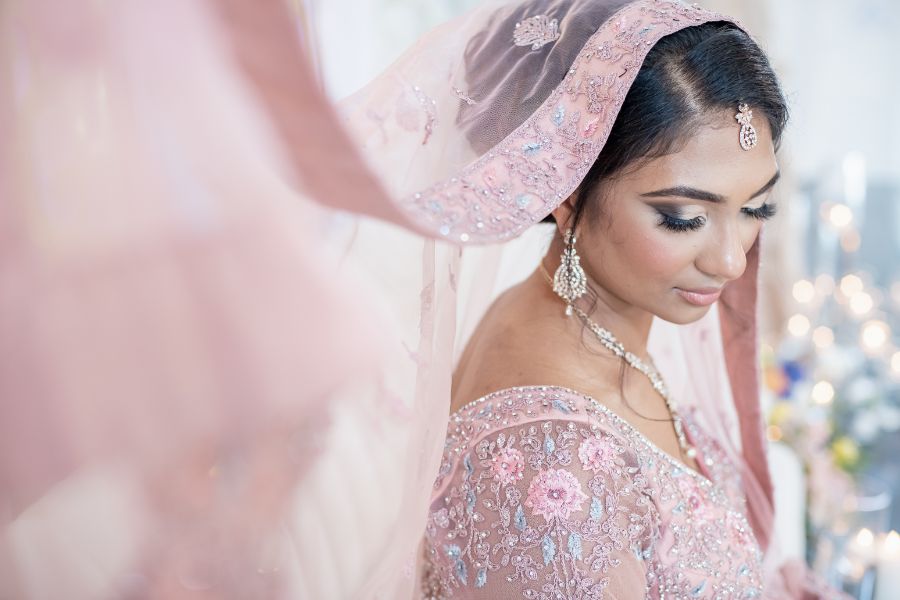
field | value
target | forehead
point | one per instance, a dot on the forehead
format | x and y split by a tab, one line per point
712	159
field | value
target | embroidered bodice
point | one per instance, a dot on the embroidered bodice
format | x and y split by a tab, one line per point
546	493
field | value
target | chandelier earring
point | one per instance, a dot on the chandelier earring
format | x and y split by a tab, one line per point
570	281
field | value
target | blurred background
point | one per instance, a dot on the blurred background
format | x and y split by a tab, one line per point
831	273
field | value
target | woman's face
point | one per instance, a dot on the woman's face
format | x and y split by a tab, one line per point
681	222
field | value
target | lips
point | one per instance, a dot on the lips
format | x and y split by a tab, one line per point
701	296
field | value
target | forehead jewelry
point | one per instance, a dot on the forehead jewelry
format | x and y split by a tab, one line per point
748	133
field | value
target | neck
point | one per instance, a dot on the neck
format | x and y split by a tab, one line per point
628	323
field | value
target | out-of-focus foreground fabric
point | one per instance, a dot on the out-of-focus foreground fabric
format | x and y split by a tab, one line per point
171	332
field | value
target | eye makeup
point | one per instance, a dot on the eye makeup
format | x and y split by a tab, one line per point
673	222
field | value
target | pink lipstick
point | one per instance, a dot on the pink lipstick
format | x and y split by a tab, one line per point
701	297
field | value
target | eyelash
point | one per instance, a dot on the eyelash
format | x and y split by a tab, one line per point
766	211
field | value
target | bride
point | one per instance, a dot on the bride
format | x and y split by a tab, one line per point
647	133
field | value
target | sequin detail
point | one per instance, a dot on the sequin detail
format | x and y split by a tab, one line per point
546	157
464	97
537	31
595	495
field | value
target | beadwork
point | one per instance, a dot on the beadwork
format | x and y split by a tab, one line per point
595	493
536	32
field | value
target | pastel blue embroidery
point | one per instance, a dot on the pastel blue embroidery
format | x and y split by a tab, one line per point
467	463
561	407
679	508
461	572
481	578
523	200
575	546
488	408
559	116
531	148
549	444
699	589
548	548
596	508
453	551
520	518
470	501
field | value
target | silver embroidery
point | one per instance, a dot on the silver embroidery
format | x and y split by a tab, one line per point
463	96
641	489
536	31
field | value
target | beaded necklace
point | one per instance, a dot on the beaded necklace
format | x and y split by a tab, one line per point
610	342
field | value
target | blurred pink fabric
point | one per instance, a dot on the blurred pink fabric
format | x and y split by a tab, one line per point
167	316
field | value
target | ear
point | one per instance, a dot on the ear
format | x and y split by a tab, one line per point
565	212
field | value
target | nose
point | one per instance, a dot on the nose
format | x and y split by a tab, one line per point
724	257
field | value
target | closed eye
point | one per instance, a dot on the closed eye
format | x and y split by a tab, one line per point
674	223
766	211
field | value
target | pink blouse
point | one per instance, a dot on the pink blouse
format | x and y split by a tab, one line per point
545	493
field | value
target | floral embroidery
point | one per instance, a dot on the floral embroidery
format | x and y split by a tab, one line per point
508	465
737	528
543	493
555	494
597	454
694	497
585	103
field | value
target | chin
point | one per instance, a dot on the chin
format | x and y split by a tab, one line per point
684	315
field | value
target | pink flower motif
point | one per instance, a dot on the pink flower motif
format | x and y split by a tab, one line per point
554	493
508	465
739	529
700	506
597	454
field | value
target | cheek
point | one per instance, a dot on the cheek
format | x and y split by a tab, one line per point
655	255
750	233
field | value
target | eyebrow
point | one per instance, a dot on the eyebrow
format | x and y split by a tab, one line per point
683	191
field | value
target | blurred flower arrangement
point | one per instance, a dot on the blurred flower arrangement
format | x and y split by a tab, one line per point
833	403
832	413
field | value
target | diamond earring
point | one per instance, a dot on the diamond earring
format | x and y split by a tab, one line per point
569	281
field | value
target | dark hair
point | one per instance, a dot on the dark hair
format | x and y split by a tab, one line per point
686	77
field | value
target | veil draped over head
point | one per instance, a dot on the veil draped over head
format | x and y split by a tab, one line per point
258	318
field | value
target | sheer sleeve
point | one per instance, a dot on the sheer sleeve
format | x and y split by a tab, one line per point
554	508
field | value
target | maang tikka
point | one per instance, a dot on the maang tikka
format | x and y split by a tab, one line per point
748	133
569	281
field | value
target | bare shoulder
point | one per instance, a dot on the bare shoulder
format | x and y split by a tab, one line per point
522	340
